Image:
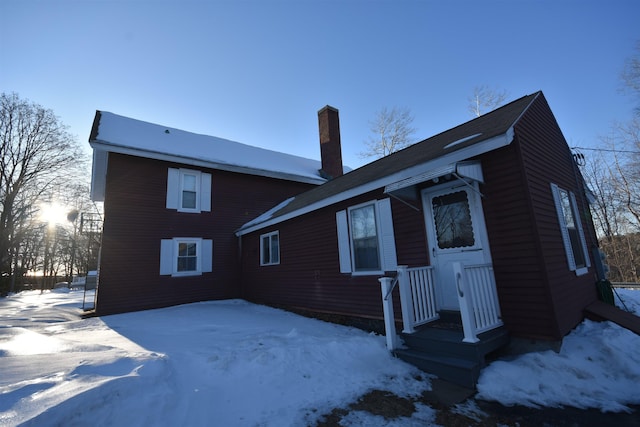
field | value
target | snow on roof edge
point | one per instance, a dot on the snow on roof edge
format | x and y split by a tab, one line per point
131	136
268	214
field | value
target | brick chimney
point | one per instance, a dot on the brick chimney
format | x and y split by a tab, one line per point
330	149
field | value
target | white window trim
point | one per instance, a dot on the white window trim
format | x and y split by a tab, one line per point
579	271
269	236
377	220
197	174
384	234
176	244
169	256
175	185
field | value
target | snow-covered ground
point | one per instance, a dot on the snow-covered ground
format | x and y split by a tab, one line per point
232	363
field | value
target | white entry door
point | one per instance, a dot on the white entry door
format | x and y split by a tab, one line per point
456	232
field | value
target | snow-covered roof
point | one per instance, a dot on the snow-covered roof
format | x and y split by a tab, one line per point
119	134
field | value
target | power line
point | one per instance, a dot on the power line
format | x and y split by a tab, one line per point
607	150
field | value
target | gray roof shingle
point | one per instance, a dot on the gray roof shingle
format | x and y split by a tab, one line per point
473	132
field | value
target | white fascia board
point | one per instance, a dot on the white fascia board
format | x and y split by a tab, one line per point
416	179
265	216
440	162
107	147
99	175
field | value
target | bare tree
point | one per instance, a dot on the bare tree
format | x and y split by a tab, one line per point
391	130
614	226
614	178
627	163
485	99
36	154
631	75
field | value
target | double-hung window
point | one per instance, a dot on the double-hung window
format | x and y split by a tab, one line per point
366	242
188	190
270	248
364	238
186	256
573	238
189	186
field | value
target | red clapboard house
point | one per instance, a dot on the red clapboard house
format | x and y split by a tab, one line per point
476	235
172	202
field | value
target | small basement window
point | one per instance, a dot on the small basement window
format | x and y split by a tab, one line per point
270	248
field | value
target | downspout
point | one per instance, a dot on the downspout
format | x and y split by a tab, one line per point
240	269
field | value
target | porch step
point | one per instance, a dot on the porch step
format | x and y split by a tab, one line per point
439	349
448	343
458	371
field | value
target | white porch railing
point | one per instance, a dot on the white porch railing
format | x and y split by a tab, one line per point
477	296
479	307
417	293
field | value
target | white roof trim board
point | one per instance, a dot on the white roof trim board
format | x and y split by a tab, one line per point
268	214
472	170
438	164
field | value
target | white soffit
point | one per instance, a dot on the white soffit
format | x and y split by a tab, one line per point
472	170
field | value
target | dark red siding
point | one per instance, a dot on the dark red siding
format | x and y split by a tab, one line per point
540	297
547	158
520	277
136	220
308	276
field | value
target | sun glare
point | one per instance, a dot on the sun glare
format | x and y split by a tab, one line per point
53	214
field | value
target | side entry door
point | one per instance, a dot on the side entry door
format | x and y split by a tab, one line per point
456	232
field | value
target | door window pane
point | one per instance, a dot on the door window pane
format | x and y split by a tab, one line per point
452	217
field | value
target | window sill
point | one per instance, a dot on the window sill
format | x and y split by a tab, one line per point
368	273
187	273
582	271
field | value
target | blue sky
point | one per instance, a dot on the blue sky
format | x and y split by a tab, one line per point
258	71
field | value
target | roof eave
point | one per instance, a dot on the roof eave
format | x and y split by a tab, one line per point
113	148
466	153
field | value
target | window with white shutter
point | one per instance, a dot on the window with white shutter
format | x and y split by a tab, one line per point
366	241
186	256
573	238
188	190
